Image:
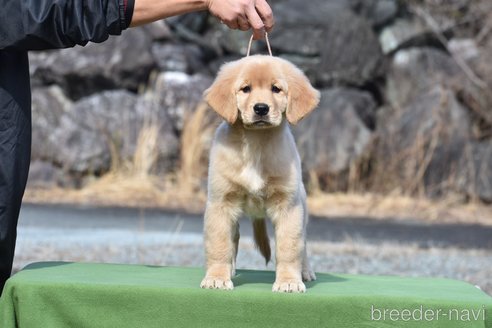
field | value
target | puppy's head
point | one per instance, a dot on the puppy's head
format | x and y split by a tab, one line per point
260	91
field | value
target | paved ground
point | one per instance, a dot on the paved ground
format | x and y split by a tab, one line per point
349	245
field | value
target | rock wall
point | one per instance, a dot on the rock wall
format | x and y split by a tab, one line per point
406	94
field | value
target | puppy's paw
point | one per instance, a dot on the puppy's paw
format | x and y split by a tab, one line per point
289	286
216	283
308	275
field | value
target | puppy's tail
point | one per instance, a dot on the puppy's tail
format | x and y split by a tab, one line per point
261	238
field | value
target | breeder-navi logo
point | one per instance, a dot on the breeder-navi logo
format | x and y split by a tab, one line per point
427	314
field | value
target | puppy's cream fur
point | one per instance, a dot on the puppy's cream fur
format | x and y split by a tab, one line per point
255	169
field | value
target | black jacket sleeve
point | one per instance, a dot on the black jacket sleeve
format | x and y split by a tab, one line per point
49	24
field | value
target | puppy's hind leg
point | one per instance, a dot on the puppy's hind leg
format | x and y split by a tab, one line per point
219	231
236	245
307	272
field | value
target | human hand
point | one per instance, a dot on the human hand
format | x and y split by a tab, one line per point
244	15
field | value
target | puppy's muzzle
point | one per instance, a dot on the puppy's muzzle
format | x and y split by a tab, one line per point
261	109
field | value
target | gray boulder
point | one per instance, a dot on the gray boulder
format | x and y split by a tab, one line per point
403	33
99	129
416	70
479	98
195	22
347	53
178	94
378	12
292	12
103	129
120	62
186	58
466	49
350	53
158	31
419	144
43	174
474	174
412	31
334	136
49	105
299	28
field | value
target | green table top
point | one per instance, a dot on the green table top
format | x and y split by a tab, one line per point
59	294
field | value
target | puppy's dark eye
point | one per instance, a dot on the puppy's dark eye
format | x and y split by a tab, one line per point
246	89
275	89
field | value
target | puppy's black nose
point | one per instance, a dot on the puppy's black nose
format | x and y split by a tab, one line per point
261	109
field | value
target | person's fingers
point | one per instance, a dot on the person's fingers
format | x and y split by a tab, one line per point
266	14
256	22
233	24
243	23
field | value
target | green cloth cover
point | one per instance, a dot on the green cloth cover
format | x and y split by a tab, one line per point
58	294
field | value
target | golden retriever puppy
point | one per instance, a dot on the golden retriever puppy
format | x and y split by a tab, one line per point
255	169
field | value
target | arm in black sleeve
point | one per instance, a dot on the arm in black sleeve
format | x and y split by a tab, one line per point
49	24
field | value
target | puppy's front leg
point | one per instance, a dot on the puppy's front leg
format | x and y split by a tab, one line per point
219	230
289	244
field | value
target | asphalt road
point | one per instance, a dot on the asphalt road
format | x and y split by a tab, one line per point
334	229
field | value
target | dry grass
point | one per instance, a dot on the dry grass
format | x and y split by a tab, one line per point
195	144
123	189
398	207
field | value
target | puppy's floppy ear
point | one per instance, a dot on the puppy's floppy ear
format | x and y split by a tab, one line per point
221	95
303	98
